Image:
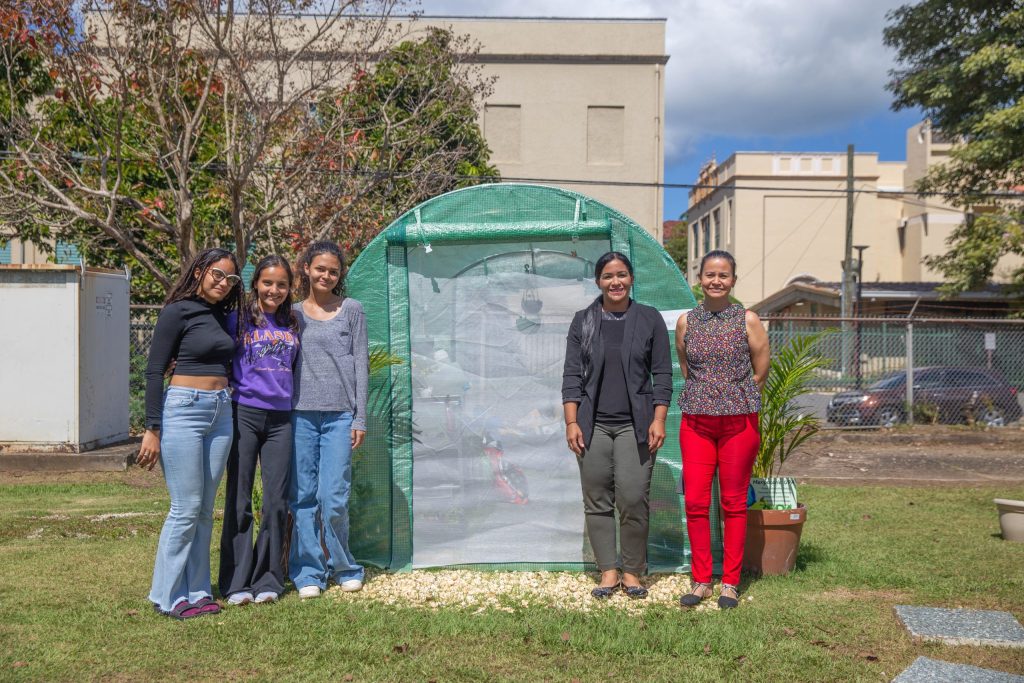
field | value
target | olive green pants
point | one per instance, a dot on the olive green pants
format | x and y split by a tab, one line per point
616	474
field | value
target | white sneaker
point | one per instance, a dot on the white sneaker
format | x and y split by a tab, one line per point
309	592
352	585
266	596
240	598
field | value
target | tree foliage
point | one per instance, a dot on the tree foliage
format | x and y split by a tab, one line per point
411	129
962	63
678	247
24	68
146	130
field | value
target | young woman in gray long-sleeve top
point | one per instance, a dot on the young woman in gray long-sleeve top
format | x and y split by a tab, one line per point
329	421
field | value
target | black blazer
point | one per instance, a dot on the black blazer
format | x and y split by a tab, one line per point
645	353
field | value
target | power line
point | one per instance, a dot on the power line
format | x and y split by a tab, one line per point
219	167
809	244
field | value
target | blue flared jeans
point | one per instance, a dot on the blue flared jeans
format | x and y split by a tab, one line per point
321	481
194	444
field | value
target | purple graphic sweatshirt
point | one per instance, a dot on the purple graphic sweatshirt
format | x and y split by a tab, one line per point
263	363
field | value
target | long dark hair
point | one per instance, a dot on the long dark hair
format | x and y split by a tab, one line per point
594	311
187	285
718	253
252	314
312	251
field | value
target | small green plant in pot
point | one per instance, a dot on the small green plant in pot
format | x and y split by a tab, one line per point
776	518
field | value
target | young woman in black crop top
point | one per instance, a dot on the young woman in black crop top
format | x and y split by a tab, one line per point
188	427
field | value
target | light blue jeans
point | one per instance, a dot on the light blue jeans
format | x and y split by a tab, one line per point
194	444
320	488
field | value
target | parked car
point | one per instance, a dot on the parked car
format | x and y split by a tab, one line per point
955	394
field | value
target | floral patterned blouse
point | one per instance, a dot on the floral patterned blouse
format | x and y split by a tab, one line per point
721	377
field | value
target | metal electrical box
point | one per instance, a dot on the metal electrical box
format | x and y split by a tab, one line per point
64	371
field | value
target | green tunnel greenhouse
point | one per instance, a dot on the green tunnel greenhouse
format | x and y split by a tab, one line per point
465	463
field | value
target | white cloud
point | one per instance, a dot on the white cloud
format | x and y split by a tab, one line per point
743	68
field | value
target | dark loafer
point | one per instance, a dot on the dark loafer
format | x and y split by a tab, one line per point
635	592
602	592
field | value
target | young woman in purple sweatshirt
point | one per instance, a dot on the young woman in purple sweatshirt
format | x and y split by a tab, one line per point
266	347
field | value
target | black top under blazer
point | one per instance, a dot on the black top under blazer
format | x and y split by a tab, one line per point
645	353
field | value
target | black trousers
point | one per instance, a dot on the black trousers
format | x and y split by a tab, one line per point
263	436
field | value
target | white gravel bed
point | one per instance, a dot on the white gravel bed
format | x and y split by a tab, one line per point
512	590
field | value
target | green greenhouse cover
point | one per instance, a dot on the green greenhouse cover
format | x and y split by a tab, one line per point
471	294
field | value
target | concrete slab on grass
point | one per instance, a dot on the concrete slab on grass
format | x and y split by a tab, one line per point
925	670
115	458
962	626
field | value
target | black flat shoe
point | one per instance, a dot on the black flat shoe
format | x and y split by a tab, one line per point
728	601
635	592
603	592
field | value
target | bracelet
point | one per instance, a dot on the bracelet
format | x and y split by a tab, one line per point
659	419
570	423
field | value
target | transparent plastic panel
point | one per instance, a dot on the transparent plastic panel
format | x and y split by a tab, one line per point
493	481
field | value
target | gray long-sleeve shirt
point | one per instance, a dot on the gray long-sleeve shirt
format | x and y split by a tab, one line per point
332	373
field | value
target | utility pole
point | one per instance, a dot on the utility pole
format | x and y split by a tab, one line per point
846	290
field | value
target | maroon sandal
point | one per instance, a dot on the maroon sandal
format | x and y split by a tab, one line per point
206	605
181	611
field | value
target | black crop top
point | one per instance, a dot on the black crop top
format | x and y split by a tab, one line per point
194	332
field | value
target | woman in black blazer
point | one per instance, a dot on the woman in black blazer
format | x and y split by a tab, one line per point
616	388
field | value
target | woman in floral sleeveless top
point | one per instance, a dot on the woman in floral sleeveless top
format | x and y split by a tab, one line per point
724	356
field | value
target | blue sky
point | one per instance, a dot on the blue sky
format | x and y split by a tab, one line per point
766	75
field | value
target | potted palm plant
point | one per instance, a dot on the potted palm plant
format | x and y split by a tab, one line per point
775	518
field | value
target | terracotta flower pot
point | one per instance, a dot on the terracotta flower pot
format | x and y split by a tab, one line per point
1011	519
773	537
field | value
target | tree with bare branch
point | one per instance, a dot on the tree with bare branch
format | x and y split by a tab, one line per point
166	126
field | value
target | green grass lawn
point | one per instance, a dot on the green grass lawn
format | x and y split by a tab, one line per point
73	607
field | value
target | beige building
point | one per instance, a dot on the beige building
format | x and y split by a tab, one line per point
926	221
783	216
575	99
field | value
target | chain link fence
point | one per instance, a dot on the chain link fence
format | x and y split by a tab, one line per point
886	371
962	371
142	322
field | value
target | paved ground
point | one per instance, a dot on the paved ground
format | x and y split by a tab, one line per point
925	670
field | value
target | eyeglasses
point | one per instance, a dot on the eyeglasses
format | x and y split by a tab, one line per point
219	275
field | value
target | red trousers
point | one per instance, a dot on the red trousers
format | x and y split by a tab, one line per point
729	444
